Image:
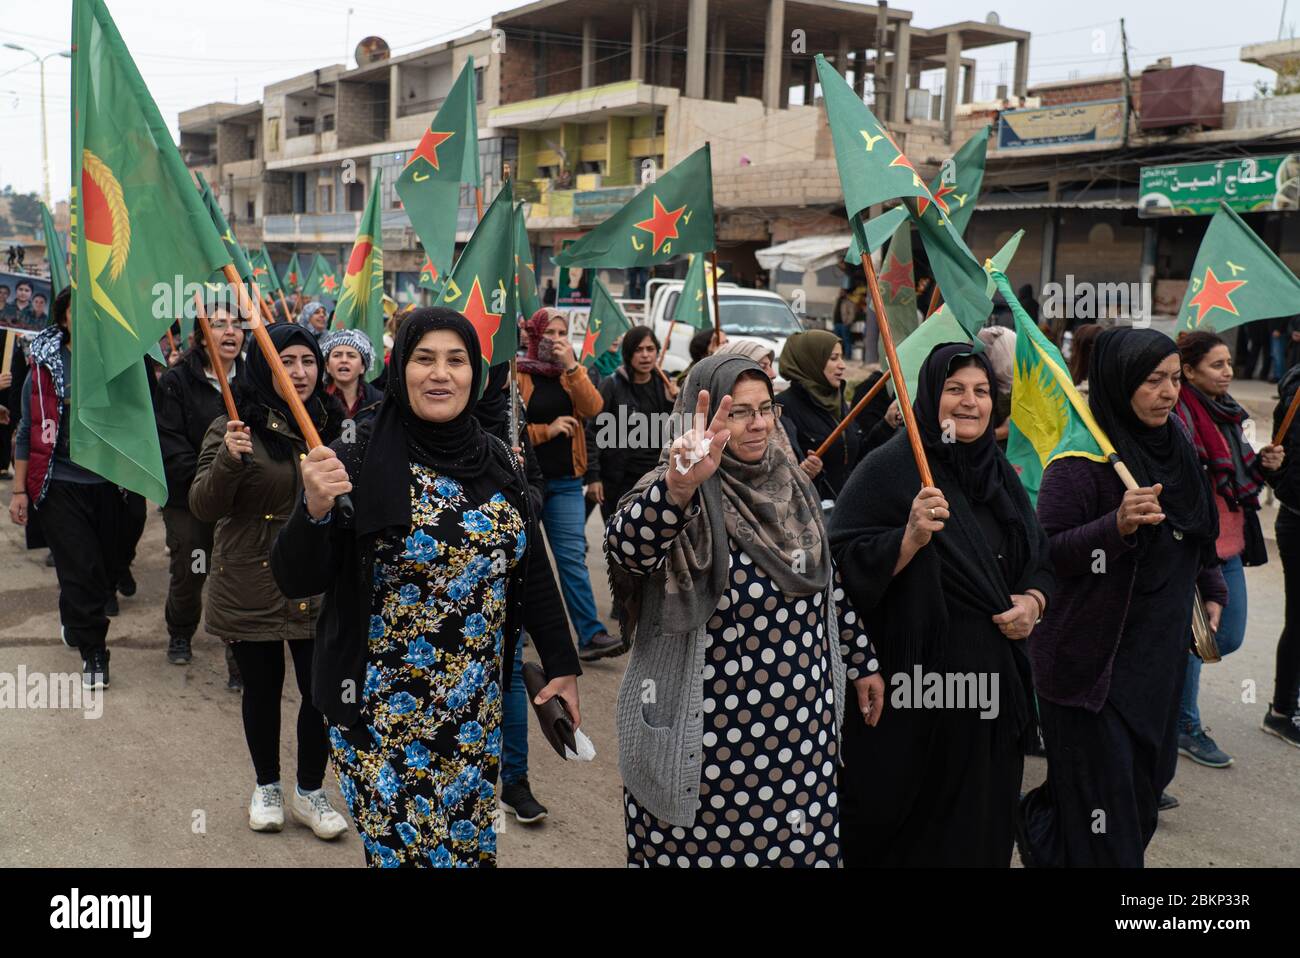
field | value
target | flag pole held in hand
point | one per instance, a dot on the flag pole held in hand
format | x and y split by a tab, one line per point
214	357
900	384
878	385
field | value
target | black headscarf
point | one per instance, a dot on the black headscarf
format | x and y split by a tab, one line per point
975	465
256	398
1122	358
459	448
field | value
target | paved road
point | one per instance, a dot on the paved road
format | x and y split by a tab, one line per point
163	776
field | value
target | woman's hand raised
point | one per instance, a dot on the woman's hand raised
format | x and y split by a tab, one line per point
239	440
682	486
324	479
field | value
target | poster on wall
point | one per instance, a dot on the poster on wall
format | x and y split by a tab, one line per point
24	302
1248	184
1094	123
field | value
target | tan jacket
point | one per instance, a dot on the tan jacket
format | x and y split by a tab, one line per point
586	404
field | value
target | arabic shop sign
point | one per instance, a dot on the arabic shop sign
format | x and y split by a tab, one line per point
1098	122
1248	184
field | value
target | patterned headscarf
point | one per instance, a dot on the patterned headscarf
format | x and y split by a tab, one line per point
353	338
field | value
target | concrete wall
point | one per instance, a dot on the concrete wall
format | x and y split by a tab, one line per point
745	129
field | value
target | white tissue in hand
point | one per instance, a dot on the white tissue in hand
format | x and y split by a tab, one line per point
692	455
586	751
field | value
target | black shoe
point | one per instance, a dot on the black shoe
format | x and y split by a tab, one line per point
178	650
1167	802
1285	727
110	607
94	670
126	584
49	560
517	798
601	646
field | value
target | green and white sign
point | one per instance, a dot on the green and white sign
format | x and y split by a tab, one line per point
1247	185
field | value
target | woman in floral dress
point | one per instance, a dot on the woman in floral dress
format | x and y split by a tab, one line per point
425	594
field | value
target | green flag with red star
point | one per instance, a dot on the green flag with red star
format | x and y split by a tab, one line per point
482	284
445	157
898	284
1236	279
322	280
264	274
293	275
526	299
136	220
672	215
693	305
606	324
430	275
361	303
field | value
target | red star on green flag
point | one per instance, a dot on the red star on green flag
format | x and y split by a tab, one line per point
606	323
662	225
1236	279
427	149
485	322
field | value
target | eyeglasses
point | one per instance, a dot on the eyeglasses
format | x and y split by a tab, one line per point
744	415
221	325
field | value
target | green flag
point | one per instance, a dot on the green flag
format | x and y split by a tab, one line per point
1236	279
1049	419
322	280
943	326
137	221
606	324
672	215
446	157
526	299
293	275
898	284
693	307
55	255
242	266
877	233
482	284
264	274
361	304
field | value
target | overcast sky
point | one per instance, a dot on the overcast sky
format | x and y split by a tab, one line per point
194	52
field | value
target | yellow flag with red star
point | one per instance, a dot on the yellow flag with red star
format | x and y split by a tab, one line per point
1236	279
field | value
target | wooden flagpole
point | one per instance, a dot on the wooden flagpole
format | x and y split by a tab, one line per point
900	384
1286	420
878	385
717	310
936	300
214	357
6	363
288	316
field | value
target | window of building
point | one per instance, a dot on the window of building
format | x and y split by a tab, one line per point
478	83
324	197
327	122
251	207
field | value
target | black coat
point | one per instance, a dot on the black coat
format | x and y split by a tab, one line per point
812	424
309	559
185	405
619	469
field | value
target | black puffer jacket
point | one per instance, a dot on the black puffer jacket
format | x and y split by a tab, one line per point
185	403
812	424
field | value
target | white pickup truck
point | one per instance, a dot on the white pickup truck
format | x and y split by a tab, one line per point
747	314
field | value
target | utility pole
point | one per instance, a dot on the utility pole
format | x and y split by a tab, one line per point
1128	82
45	139
880	99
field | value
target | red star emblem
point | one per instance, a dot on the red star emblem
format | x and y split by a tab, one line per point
922	202
428	148
485	324
899	275
589	341
1215	294
328	283
662	225
429	269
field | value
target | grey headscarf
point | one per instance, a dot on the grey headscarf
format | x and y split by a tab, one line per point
305	315
768	507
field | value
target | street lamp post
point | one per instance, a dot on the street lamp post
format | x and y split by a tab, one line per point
45	139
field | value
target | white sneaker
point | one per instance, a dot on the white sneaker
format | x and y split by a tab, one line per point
314	811
266	810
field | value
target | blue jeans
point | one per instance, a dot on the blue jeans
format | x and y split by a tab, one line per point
563	518
514	723
1232	632
1277	347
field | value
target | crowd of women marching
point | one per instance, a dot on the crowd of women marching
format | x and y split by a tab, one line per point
828	662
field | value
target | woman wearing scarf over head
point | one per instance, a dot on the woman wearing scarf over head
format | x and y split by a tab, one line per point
1214	421
951	581
246	482
314	318
558	397
813	406
349	357
1109	656
742	631
442	562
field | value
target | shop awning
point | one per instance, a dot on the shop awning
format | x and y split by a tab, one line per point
805	253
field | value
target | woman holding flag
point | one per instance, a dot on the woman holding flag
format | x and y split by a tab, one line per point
439	563
1109	658
1214	421
950	580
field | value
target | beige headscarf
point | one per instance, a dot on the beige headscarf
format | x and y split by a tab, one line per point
1000	344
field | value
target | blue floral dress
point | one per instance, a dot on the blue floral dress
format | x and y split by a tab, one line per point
418	770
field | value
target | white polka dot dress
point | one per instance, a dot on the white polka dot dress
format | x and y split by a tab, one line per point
767	789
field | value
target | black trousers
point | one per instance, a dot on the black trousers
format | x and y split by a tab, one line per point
81	523
132	514
1253	346
1286	679
189	542
262	666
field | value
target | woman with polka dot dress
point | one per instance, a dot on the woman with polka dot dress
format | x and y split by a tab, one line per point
951	581
729	714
